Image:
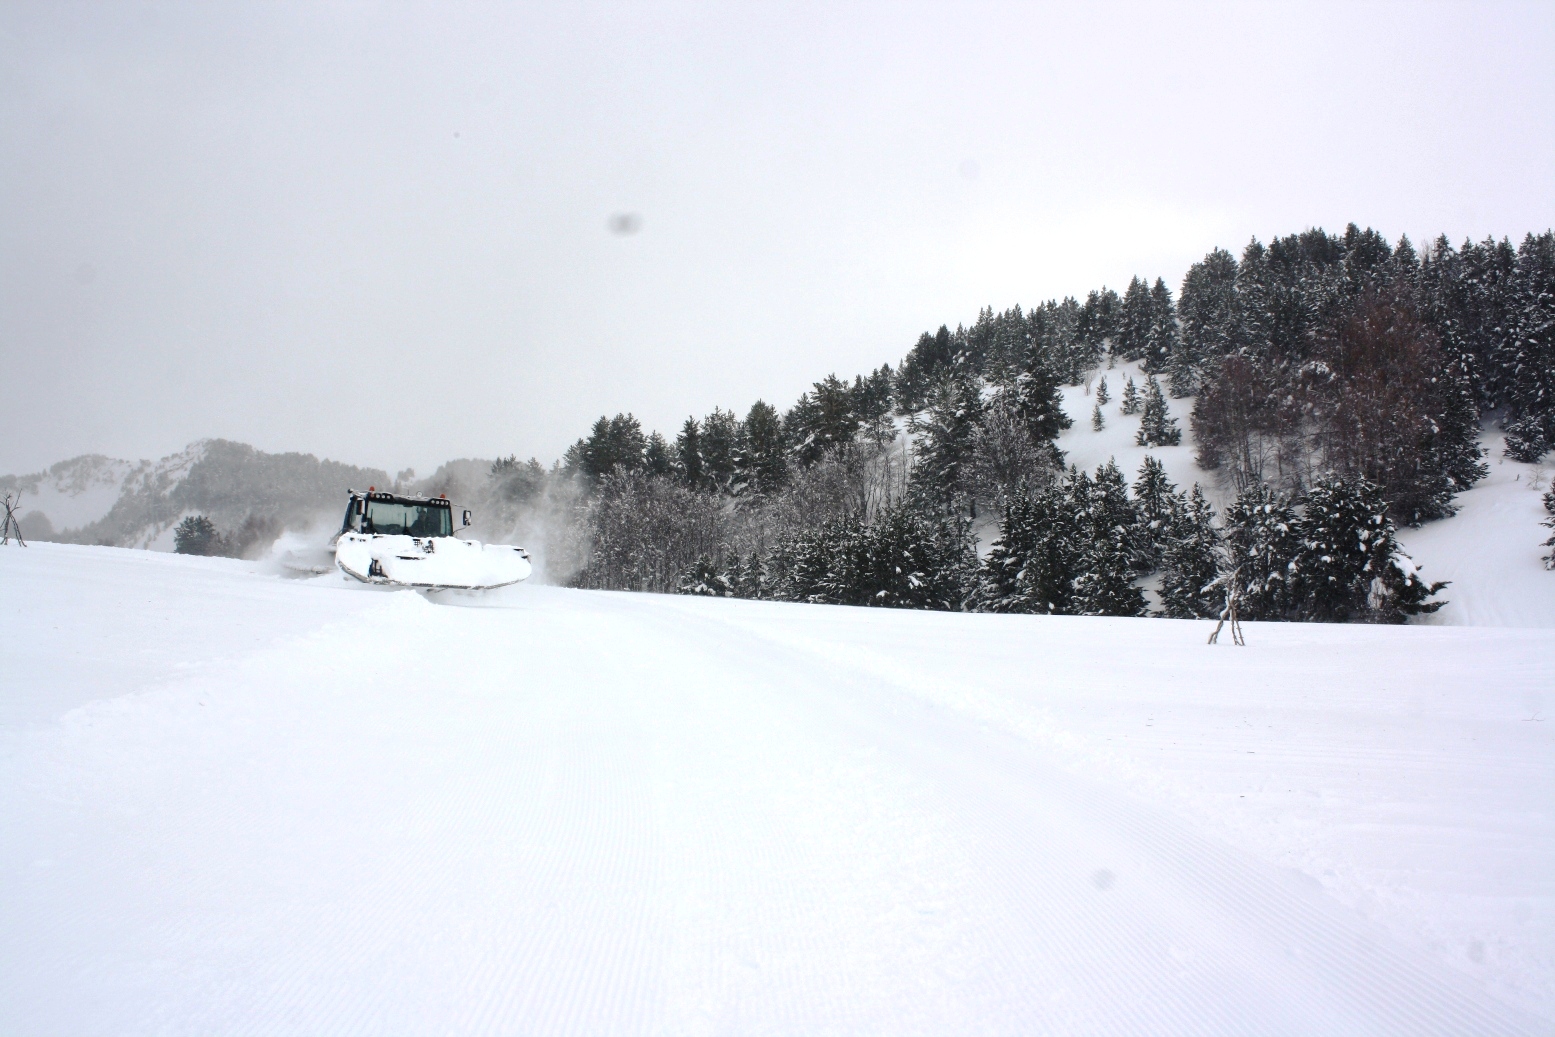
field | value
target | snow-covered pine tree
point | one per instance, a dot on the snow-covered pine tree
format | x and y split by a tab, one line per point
1161	340
1207	310
1095	326
777	573
1039	403
762	465
1159	508
813	560
1109	504
1190	564
1261	544
1097	421
1526	440
1335	529
197	535
917	373
704	578
946	439
658	456
1105	585
998	579
1056	340
721	446
1102	395
688	455
1155	427
1046	578
1350	567
901	560
1133	332
1031	568
744	576
822	421
1549	506
1105	548
1528	354
613	444
1130	402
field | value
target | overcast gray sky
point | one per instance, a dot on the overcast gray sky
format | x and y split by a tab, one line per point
381	232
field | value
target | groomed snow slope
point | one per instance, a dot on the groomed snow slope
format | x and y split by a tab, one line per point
301	807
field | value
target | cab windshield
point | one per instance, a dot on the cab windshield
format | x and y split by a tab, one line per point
417	520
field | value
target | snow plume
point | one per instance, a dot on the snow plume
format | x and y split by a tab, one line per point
516	502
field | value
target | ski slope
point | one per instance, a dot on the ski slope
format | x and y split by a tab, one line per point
238	804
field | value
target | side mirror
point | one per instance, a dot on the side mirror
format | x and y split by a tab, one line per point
360	505
466	517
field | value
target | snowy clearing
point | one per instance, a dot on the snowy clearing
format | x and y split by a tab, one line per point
241	804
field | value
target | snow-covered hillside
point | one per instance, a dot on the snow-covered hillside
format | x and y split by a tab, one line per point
240	804
99	500
69	494
1489	552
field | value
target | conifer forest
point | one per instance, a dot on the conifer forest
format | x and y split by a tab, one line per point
1337	386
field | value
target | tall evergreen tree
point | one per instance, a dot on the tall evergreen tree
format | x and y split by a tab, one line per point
946	437
1102	395
1190	564
1155	427
823	422
721	447
762	466
924	364
614	444
1549	507
1047	577
658	456
999	576
1526	354
1107	546
1349	566
688	455
1130	401
1105	504
1262	543
1097	421
872	405
1096	326
1159	508
1040	404
1207	309
1135	321
1105	584
197	535
1161	341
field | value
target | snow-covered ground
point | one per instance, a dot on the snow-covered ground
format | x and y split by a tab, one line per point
1490	551
240	804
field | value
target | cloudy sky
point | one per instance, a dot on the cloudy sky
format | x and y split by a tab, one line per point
383	233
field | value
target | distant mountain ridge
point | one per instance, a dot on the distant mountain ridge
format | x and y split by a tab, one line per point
95	499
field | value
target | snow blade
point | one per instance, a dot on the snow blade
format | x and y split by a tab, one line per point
430	563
